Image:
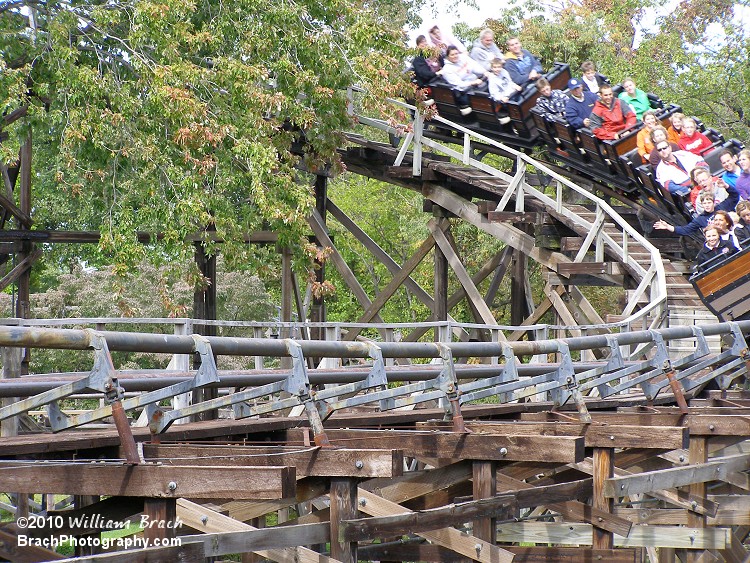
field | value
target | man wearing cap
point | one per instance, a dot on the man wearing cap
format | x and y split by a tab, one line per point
580	104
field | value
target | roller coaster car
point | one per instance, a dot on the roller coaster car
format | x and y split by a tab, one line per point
489	117
615	163
723	285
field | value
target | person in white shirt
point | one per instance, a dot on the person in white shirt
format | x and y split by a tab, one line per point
673	172
462	75
500	85
484	50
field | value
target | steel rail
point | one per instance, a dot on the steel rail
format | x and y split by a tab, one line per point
74	339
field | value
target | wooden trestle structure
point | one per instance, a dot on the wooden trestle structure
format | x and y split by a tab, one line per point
608	445
388	463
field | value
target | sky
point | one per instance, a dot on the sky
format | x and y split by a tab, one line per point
474	17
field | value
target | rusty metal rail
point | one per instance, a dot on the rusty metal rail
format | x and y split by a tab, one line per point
649	374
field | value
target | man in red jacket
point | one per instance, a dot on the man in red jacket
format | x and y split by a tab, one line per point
611	116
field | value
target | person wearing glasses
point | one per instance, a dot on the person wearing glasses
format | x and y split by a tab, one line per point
702	220
658	134
673	172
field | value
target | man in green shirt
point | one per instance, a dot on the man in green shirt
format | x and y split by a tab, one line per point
635	98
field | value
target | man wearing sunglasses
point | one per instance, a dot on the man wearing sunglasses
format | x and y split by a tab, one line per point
673	171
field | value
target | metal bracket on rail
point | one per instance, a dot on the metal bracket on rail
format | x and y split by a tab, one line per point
501	385
102	378
724	367
448	383
695	362
665	367
615	362
444	385
727	371
206	374
296	383
566	376
329	400
159	419
91	381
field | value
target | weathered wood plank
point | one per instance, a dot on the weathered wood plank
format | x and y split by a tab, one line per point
595	435
450	445
213	524
427	552
591	268
424	520
316	462
676	477
734	511
343	507
640	536
467	545
555	497
186	553
10	550
158	481
726	423
677	498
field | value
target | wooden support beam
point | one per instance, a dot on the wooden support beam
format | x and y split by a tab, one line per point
651	481
714	424
159	519
559	498
603	461
530	218
701	505
561	449
467	545
456	297
425	520
19	269
381	255
440	304
223	535
591	268
149	480
396	282
484	485
343	497
185	553
506	233
11	551
8	204
428	552
595	436
571	533
321	462
463	276
536	315
318	228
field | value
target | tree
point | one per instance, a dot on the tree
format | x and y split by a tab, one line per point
145	292
694	54
170	115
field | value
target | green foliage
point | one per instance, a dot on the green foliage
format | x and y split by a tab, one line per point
169	116
694	55
144	292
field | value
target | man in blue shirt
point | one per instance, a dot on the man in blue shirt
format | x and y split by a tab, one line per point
580	104
729	164
522	66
